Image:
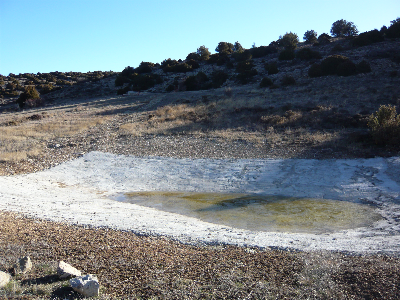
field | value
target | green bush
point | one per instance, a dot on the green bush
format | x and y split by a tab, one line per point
237	47
242	56
288	41
29	93
324	39
218	78
178	68
368	38
385	126
342	28
120	80
224	48
315	70
123	90
141	82
194	64
288	80
144	67
193	56
262	51
266	82
394	30
246	71
203	52
310	36
363	67
213	58
307	54
271	68
287	54
200	81
329	65
346	68
127	71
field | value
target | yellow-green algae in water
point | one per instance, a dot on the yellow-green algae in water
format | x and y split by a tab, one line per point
261	213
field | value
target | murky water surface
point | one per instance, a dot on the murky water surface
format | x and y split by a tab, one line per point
262	213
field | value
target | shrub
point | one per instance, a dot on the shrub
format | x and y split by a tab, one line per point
363	67
246	71
224	48
288	80
330	64
342	28
168	63
262	51
287	54
266	82
123	90
394	30
237	47
127	71
271	68
197	82
29	93
324	39
337	48
11	86
288	41
223	59
242	56
120	80
307	54
310	36
46	88
193	63
218	78
178	68
385	126
367	38
346	68
193	56
144	67
141	82
315	70
213	58
203	52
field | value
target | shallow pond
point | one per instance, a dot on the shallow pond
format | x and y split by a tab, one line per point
260	212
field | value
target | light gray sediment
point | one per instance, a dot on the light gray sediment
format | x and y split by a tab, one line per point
80	192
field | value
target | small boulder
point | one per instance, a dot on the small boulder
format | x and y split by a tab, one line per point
65	271
87	285
4	279
22	266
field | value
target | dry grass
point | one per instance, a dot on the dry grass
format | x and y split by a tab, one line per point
25	137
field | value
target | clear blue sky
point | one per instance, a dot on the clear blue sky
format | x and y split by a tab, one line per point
102	35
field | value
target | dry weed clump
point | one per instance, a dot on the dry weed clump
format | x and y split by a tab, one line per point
385	126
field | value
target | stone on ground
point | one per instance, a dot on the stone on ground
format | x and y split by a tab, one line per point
87	285
4	279
65	271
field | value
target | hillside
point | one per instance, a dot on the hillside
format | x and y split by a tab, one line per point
188	107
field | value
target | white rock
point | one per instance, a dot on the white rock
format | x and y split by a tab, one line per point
23	265
87	285
4	279
65	271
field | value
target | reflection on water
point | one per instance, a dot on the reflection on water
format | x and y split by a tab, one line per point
263	213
